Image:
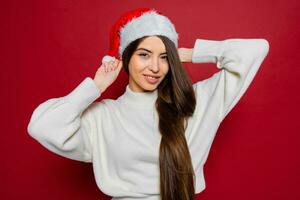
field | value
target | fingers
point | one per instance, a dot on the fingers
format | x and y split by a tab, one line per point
119	65
111	65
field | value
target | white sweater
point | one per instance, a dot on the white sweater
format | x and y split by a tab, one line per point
121	137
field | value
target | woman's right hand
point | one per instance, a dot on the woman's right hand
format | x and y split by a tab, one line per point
107	73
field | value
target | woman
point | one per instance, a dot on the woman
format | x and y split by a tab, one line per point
151	142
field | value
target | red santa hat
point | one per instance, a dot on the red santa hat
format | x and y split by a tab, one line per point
136	24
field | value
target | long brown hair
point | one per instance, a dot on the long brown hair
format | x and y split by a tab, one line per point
175	103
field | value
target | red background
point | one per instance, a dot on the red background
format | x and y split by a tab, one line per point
49	47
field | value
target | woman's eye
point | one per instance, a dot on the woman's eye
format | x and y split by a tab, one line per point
143	54
146	55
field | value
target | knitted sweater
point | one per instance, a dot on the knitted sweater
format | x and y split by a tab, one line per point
121	137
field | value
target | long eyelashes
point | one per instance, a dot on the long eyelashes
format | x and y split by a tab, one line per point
144	55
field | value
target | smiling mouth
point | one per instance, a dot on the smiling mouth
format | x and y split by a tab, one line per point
151	79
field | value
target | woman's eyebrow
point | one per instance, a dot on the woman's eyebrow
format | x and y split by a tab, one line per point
149	50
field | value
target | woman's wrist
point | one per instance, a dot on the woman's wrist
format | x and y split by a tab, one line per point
100	87
185	54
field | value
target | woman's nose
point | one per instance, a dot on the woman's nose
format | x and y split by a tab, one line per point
154	66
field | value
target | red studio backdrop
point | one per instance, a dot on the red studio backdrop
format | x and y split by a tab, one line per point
49	47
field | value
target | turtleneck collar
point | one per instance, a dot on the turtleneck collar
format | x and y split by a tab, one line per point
139	99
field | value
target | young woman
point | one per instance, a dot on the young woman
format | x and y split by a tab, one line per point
152	141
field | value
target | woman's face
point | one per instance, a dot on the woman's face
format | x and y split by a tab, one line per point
148	65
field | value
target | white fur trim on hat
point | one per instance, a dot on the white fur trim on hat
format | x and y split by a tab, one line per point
149	23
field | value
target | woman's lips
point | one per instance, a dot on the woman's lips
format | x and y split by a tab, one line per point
151	80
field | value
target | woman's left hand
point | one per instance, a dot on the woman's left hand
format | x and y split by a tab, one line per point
185	54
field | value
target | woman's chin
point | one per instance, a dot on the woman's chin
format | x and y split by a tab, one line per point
149	87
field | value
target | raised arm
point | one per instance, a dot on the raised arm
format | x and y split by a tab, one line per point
238	59
66	125
62	125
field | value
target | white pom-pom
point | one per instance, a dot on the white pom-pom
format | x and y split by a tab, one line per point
107	58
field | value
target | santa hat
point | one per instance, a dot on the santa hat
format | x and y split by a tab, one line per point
136	24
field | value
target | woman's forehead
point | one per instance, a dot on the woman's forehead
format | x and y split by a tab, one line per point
152	44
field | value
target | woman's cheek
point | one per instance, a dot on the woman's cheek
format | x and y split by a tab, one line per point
141	62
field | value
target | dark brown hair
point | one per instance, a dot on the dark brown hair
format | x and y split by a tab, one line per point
175	103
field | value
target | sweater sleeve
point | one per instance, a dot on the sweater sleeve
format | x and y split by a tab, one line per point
239	61
62	125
